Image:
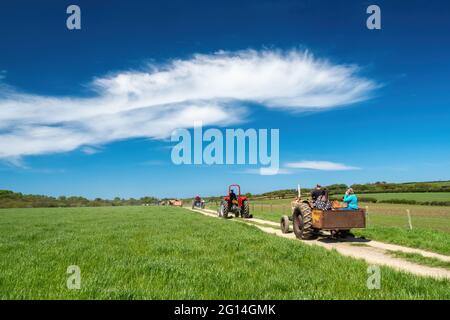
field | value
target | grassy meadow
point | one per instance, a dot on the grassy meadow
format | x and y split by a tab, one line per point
417	196
172	253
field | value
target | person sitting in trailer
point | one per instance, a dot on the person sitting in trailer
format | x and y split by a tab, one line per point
351	200
322	202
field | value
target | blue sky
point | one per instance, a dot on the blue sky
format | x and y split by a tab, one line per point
394	128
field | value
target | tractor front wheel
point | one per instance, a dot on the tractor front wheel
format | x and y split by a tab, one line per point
284	224
223	210
302	222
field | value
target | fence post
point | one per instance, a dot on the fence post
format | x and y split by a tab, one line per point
367	216
409	219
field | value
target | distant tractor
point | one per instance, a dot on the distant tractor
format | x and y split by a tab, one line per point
198	202
172	203
308	222
236	204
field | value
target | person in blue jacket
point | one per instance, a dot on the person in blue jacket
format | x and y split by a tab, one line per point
351	200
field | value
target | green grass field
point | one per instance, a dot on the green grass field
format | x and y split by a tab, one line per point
172	253
417	196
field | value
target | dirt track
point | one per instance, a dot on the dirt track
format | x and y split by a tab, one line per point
373	252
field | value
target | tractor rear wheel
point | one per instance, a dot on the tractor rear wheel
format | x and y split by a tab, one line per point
302	222
284	224
245	209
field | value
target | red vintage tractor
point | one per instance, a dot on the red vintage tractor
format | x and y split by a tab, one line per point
198	202
234	203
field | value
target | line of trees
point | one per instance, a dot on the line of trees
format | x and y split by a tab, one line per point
385	187
10	199
377	187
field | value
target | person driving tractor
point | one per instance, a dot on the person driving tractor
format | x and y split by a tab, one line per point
317	192
233	195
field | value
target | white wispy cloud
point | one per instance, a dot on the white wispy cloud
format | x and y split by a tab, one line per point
153	102
266	171
89	150
320	165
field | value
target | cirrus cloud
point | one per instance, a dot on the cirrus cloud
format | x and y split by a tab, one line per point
153	102
320	165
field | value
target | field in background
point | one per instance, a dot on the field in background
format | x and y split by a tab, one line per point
416	196
173	253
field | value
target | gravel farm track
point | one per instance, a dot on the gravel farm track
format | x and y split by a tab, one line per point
373	252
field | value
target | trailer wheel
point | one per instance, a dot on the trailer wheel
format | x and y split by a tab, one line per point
284	224
345	234
302	222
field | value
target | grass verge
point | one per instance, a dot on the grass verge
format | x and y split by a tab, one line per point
418	258
436	241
